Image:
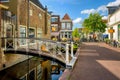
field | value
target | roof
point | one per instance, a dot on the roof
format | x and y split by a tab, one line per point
37	2
66	17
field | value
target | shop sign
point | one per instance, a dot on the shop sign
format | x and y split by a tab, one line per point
111	30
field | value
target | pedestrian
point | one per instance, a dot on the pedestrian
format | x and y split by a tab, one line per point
114	43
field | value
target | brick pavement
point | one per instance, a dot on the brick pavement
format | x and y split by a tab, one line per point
96	61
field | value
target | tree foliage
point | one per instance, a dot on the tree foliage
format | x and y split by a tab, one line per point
94	23
75	33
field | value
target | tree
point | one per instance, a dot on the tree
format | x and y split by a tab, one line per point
94	23
75	34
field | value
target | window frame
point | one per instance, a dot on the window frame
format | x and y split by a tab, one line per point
24	43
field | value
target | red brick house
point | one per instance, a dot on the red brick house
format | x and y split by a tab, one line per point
66	28
55	27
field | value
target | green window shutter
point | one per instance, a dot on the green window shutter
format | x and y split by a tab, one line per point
119	26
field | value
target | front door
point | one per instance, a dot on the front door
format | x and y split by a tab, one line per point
9	36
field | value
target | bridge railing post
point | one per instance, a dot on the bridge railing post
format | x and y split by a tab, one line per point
15	43
27	43
59	47
5	43
67	53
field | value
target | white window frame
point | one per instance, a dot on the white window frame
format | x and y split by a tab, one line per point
39	33
69	26
63	25
34	33
25	35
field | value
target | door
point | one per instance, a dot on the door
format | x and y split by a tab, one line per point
9	36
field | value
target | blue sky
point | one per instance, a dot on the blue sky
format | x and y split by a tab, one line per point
78	10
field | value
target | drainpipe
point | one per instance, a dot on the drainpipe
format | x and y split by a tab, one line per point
46	21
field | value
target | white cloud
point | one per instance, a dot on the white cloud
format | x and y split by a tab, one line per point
104	17
77	20
102	8
88	11
115	3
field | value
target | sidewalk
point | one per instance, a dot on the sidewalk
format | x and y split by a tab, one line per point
96	61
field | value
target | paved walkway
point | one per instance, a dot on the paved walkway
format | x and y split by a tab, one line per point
96	61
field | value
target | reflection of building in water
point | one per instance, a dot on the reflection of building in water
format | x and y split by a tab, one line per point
33	69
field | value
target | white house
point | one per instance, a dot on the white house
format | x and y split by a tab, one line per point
114	25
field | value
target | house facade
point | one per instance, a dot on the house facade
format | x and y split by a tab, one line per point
66	28
21	19
114	25
55	27
32	16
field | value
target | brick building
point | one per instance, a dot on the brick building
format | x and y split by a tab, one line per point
22	19
55	27
38	20
66	28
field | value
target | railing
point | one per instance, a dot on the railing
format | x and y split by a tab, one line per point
42	46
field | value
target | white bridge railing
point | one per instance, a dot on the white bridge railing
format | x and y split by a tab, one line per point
59	50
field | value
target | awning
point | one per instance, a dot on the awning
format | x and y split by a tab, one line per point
55	34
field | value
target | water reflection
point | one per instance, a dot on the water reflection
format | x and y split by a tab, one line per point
56	76
32	69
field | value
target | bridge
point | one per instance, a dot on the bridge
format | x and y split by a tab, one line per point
56	51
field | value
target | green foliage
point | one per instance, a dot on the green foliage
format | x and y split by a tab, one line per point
75	33
94	23
75	46
107	40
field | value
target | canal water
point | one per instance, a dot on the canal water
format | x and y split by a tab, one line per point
56	76
32	69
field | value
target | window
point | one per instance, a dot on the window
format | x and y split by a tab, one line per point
22	35
40	15
39	72
39	33
54	19
31	34
31	75
63	25
4	0
53	28
30	12
9	31
68	25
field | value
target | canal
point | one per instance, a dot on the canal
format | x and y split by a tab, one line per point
33	69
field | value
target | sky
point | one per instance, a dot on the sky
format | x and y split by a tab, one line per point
78	10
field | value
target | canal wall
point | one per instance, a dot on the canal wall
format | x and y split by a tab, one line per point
67	72
8	60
